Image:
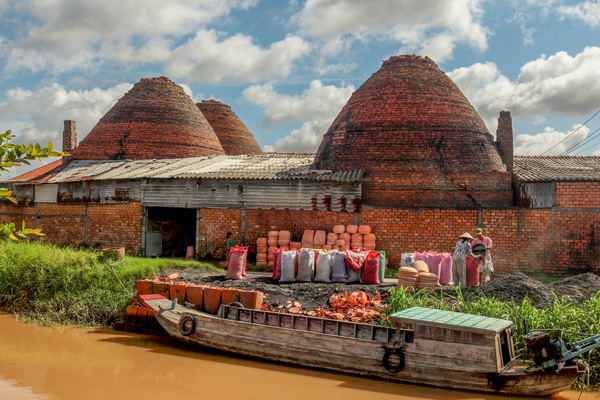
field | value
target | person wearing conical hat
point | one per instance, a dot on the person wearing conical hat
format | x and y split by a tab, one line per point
488	267
459	259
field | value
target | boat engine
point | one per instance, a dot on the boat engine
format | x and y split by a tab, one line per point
541	347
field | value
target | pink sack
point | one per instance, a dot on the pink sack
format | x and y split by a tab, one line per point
434	262
355	258
418	256
446	270
371	274
237	261
245	248
276	262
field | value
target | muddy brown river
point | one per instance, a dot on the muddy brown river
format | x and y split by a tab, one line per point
64	363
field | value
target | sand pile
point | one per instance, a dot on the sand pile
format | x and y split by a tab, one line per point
517	286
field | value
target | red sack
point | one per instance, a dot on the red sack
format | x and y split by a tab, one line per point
355	258
472	271
371	274
237	262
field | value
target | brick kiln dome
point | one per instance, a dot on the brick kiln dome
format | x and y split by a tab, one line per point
232	133
419	140
155	119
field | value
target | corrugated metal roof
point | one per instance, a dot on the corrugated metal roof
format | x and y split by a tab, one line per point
269	166
557	168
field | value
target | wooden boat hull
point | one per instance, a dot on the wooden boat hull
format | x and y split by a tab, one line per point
348	355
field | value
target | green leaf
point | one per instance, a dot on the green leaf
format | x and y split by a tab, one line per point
28	231
50	146
54	154
13	237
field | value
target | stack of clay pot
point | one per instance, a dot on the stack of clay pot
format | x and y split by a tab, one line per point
284	239
332	239
344	237
307	239
427	281
273	242
407	278
262	251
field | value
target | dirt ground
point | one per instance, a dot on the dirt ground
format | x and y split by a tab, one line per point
515	285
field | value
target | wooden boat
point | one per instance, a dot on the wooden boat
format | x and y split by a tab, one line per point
431	347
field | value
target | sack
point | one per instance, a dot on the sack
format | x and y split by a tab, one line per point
288	266
306	265
381	265
277	263
355	258
323	267
353	276
338	273
434	262
371	274
472	271
446	270
237	262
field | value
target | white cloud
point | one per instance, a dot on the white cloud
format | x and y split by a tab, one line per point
430	27
41	113
205	58
65	34
317	103
316	106
588	12
536	144
305	139
561	84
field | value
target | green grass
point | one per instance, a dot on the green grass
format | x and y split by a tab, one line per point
48	284
562	314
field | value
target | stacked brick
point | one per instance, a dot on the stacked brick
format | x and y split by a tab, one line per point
155	119
419	140
234	136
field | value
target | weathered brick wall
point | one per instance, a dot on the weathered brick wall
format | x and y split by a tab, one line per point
547	242
578	194
535	241
117	225
213	225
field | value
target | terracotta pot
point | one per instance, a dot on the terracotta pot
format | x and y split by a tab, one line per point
145	286
261	241
352	228
319	239
177	291
195	296
230	296
369	237
308	237
364	229
340	242
163	289
251	299
212	299
284	235
339	229
273	235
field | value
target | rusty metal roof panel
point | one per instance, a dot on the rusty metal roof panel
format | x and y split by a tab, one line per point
557	168
79	170
268	166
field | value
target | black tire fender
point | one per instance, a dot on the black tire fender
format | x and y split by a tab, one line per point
391	365
187	325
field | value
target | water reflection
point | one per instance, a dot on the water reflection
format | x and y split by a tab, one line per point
63	363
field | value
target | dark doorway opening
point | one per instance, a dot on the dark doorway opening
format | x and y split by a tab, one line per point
178	228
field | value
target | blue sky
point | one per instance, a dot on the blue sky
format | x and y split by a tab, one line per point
288	67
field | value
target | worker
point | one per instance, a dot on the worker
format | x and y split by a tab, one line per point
459	259
488	267
230	244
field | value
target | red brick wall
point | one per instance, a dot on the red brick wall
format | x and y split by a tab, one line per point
578	194
213	227
534	241
64	224
115	225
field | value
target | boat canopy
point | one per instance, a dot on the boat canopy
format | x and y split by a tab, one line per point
449	319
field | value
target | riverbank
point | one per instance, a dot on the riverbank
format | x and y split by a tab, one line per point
81	287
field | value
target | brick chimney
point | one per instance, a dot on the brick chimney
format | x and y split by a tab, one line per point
504	139
69	137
